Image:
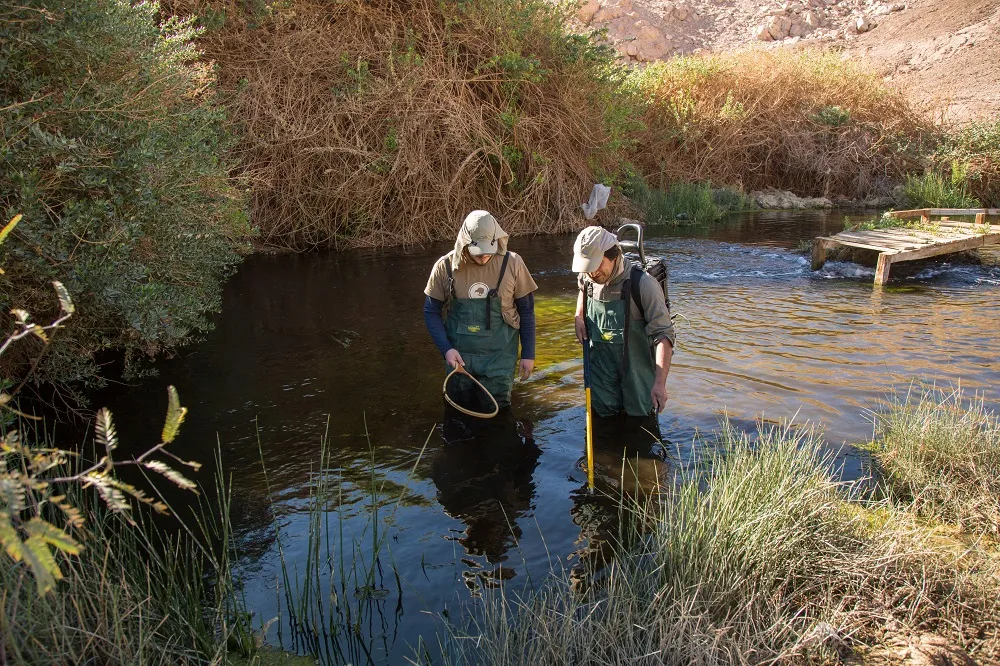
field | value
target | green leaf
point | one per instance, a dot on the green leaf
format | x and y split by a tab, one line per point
175	415
52	535
9	538
38	557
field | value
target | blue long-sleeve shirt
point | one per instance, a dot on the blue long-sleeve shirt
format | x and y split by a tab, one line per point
434	320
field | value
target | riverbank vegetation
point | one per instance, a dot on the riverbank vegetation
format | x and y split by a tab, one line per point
759	556
940	452
354	137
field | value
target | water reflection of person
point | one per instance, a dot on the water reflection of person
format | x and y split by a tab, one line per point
630	469
483	473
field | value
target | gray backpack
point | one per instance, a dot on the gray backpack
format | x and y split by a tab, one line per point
655	267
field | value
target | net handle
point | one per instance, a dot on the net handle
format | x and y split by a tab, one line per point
468	412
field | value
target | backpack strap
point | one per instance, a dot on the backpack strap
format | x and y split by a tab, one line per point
636	293
493	293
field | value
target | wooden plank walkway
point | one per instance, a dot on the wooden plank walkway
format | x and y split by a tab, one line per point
895	245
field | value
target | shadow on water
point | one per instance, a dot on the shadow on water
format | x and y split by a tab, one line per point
334	344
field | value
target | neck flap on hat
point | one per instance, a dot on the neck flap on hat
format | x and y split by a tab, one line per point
464	239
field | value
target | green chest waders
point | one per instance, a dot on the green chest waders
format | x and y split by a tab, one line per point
622	367
487	343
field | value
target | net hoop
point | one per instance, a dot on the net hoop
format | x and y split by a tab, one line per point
479	415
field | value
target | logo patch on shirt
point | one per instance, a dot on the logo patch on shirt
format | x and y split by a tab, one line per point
607	336
474	329
478	290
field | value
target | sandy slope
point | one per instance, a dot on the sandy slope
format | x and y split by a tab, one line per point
946	53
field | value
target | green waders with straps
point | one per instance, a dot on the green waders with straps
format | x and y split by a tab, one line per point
487	343
622	367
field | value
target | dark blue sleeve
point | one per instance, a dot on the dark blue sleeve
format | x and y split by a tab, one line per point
435	324
526	309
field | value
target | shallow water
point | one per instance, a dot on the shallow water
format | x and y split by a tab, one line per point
334	343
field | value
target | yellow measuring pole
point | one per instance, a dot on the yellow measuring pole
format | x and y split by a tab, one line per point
590	418
590	443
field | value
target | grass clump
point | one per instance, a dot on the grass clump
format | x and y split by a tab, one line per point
682	203
110	143
975	149
133	596
811	124
940	452
760	559
932	190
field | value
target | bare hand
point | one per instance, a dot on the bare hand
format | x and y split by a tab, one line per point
581	328
453	358
527	365
659	396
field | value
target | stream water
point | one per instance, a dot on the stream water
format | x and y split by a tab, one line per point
334	344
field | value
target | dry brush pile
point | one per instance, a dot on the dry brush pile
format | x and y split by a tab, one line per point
816	125
375	123
385	122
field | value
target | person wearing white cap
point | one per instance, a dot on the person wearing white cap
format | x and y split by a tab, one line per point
490	297
622	315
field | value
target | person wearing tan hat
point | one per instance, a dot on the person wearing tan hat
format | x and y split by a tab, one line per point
628	329
490	298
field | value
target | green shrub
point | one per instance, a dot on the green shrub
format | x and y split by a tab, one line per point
977	148
932	190
110	144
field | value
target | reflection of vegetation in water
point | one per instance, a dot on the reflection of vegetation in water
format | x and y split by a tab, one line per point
334	603
759	553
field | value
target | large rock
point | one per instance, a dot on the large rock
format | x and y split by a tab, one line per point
762	33
812	19
782	200
863	24
778	26
587	10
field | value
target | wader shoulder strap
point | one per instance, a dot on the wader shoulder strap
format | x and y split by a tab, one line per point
627	289
494	292
451	278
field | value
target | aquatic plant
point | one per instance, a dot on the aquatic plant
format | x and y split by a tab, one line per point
756	557
939	451
685	203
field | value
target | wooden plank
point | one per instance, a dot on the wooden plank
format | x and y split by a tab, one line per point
882	269
948	248
906	214
981	218
866	246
